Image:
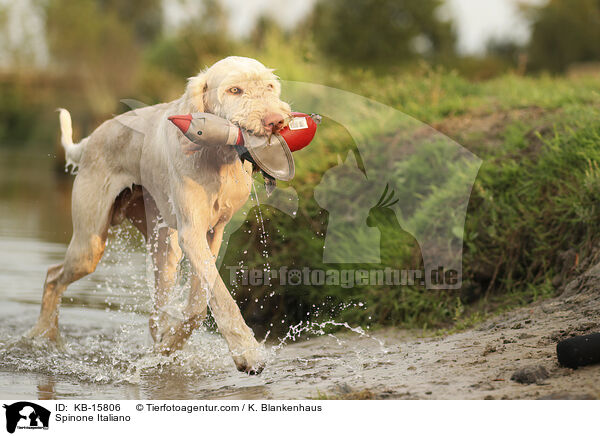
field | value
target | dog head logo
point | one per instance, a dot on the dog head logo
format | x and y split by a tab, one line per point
429	174
26	415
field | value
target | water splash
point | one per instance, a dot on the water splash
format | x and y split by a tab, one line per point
318	329
263	235
112	346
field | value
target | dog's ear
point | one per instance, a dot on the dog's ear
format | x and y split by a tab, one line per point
196	90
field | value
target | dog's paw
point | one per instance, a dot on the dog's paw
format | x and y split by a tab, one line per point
44	337
175	336
251	362
49	332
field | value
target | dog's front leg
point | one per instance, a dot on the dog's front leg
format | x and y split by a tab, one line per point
192	229
240	339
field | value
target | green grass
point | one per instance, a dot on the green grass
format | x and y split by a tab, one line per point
536	197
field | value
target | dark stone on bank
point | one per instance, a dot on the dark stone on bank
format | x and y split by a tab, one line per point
579	351
530	374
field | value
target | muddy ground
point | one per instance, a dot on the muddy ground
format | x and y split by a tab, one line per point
479	363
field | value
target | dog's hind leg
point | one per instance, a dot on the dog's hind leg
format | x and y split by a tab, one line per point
91	212
166	255
140	208
172	336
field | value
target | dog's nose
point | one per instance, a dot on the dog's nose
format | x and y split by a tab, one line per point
273	122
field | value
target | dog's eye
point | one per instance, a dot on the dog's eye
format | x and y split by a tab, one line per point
270	86
235	90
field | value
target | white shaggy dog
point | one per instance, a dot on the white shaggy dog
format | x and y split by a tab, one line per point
134	167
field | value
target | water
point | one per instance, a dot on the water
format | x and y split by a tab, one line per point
106	349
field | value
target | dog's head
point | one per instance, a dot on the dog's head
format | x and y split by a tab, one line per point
243	91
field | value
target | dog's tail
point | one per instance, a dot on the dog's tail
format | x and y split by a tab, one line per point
72	151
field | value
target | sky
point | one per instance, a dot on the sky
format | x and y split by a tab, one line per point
476	21
479	20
